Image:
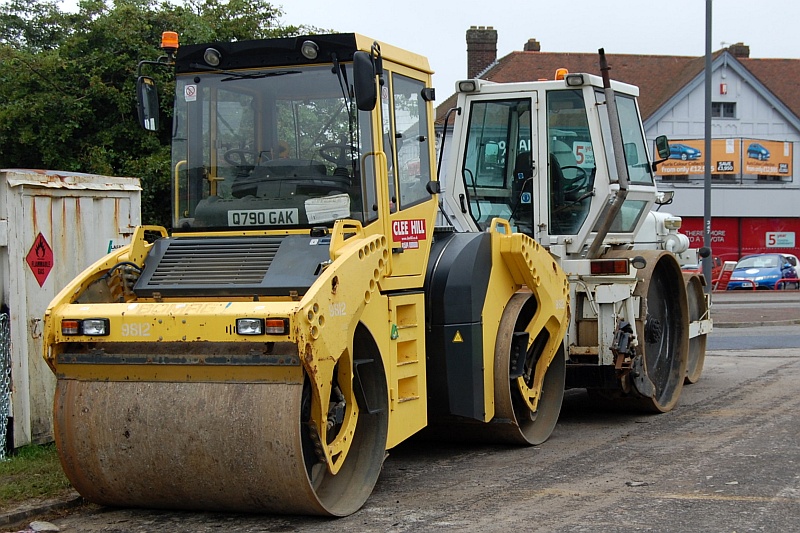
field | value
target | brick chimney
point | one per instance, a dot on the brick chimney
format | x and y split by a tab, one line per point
481	49
532	46
739	50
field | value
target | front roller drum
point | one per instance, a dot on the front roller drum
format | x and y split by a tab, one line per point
516	374
208	446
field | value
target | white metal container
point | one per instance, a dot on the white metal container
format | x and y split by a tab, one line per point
53	225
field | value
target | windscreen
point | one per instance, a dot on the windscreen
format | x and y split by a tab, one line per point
272	148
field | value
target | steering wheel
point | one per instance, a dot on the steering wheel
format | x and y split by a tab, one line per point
578	182
336	153
239	157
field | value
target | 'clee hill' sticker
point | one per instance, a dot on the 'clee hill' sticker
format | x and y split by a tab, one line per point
409	232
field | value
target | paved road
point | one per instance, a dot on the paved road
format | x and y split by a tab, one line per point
747	308
757	338
726	459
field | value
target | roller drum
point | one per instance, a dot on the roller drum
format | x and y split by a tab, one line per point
201	446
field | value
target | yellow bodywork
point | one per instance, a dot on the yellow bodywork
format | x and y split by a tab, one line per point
285	422
520	263
321	326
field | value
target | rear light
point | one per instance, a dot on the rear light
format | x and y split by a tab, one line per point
70	327
277	326
599	267
250	326
92	327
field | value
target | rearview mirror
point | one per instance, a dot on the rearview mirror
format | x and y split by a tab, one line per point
364	81
147	103
662	147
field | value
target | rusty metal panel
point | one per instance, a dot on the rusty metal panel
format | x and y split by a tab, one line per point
77	218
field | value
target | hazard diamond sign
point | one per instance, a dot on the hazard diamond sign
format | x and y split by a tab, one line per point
40	259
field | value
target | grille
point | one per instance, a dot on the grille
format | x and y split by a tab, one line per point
192	266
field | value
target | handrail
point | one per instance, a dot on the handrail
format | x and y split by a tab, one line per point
785	281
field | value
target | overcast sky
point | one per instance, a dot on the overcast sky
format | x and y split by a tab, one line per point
437	29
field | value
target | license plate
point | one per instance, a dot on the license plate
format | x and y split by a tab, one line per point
263	217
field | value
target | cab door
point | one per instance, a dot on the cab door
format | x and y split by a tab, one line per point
407	137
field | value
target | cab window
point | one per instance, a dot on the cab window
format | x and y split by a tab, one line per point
571	166
411	140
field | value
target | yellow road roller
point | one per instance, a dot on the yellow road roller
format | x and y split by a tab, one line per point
305	313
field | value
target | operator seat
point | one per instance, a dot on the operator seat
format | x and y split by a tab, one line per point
568	180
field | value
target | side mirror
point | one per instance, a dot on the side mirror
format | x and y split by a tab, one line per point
662	147
792	260
364	81
662	150
147	102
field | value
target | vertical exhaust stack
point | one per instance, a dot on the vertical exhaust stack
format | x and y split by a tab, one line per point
616	201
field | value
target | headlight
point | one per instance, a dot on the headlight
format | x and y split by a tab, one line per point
250	326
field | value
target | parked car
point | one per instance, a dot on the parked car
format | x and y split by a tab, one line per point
757	151
697	268
764	271
684	152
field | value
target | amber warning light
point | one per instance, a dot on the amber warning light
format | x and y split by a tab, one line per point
169	42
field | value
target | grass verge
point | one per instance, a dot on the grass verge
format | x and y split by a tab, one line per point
31	473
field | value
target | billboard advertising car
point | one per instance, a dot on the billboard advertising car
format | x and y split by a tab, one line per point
728	156
767	158
686	157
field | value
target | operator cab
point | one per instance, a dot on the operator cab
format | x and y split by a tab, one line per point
539	155
267	135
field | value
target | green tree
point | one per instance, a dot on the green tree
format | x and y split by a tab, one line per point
67	82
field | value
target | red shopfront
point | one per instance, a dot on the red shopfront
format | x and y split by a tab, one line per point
732	238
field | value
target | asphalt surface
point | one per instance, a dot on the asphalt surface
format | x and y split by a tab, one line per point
729	310
748	308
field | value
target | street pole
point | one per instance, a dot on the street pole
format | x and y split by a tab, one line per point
707	261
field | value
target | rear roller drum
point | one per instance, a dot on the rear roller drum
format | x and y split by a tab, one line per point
662	329
521	414
697	345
